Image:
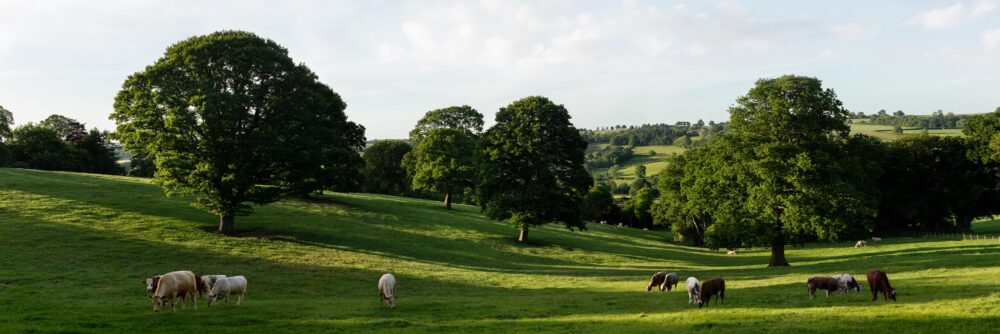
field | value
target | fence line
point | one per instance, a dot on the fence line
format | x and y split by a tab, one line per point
963	236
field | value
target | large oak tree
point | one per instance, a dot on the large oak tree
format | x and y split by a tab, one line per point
533	171
231	118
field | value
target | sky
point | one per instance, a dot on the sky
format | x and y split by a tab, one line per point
607	62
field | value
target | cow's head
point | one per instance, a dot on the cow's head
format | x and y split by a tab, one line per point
151	284
157	303
892	294
212	298
392	301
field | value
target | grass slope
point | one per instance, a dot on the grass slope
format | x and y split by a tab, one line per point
75	247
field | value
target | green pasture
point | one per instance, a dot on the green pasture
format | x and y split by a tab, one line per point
75	247
886	132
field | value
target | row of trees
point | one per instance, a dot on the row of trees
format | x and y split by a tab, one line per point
936	120
56	143
786	171
651	134
229	118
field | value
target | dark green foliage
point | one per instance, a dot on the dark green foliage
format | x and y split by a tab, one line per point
609	156
983	131
6	157
41	148
142	165
599	205
6	124
384	171
932	184
936	120
784	172
636	210
100	150
533	171
444	162
648	134
70	130
230	117
463	118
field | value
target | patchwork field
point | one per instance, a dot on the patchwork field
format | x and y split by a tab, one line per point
76	246
886	132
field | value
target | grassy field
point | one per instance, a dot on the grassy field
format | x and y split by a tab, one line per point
885	132
75	247
643	156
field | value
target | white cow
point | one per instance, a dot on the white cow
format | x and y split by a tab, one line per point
732	252
387	289
860	243
209	280
876	239
694	290
236	285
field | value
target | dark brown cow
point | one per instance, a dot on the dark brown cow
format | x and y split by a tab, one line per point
879	282
830	284
713	287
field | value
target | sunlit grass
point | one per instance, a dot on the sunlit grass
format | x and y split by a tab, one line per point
75	247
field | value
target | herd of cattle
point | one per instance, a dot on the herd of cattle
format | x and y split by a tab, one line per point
702	292
176	286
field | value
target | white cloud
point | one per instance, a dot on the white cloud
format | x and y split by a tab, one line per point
990	39
940	18
983	8
854	30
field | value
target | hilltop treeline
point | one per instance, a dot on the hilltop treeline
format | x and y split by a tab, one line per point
56	143
650	134
936	120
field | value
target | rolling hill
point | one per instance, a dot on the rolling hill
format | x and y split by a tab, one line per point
75	247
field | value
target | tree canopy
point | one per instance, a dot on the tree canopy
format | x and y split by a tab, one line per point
6	123
785	171
384	170
533	171
463	118
444	162
230	117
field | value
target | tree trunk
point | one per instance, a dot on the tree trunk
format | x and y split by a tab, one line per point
226	224
523	236
778	250
447	200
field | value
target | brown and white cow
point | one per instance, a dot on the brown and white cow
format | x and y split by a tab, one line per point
175	286
663	280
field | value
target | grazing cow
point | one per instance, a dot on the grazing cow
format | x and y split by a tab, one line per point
713	287
174	285
694	289
226	286
827	283
663	280
208	281
876	239
387	289
879	282
732	252
860	243
848	281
